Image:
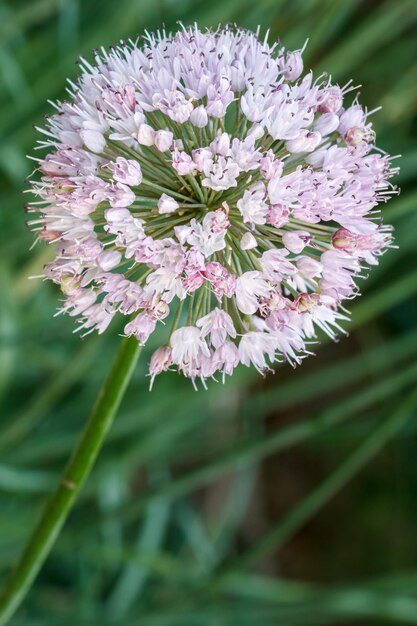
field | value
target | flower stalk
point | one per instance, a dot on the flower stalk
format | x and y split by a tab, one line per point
75	474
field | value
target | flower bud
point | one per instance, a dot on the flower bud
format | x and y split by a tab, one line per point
167	204
343	239
221	145
163	140
161	360
296	240
333	100
146	135
293	65
306	141
248	242
199	117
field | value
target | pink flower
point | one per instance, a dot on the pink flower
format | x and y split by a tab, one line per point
254	347
223	283
307	141
163	140
253	206
161	361
188	346
221	145
296	240
226	358
183	163
126	171
333	100
249	287
271	167
219	325
199	117
167	204
278	215
220	173
141	327
262	221
248	242
146	135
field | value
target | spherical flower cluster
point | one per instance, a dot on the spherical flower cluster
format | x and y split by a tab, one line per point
198	175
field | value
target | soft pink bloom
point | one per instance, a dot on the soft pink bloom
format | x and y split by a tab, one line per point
333	100
248	242
223	283
141	327
161	361
183	163
296	240
254	347
275	265
199	117
220	173
167	204
146	135
188	346
109	259
221	145
249	287
271	167
218	325
163	140
203	166
126	171
202	236
307	141
278	215
253	206
226	358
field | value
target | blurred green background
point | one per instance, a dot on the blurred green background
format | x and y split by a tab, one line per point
285	500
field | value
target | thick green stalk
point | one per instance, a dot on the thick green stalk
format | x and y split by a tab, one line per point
73	478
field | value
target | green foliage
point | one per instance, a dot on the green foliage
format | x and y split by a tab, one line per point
213	508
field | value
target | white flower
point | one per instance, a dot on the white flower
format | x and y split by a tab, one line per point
202	236
163	140
167	204
248	242
218	324
126	171
249	287
145	135
263	220
220	173
199	117
253	348
295	241
275	265
252	205
188	346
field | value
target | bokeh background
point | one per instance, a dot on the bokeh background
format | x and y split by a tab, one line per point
285	500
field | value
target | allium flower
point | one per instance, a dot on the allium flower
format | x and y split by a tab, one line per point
198	175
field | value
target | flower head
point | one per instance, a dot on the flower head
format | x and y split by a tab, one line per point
202	169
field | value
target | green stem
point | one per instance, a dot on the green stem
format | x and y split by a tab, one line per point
77	470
